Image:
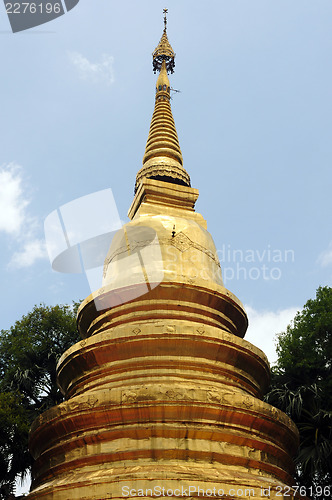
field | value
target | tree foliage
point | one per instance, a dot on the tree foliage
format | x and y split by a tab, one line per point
29	352
302	387
305	349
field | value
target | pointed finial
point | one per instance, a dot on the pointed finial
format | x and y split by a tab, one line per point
165	19
164	51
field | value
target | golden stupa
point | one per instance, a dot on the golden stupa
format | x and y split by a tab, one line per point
163	395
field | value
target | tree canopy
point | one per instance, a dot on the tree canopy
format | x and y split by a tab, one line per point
29	352
302	387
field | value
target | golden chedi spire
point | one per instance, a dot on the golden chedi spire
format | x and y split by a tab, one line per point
163	394
163	158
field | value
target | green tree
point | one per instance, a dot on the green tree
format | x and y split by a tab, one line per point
302	387
29	352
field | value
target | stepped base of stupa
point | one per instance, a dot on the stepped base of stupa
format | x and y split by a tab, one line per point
162	406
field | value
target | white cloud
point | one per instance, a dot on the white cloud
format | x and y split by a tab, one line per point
264	325
13	201
15	219
95	72
325	258
32	251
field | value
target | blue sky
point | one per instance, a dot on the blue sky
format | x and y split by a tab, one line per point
254	124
